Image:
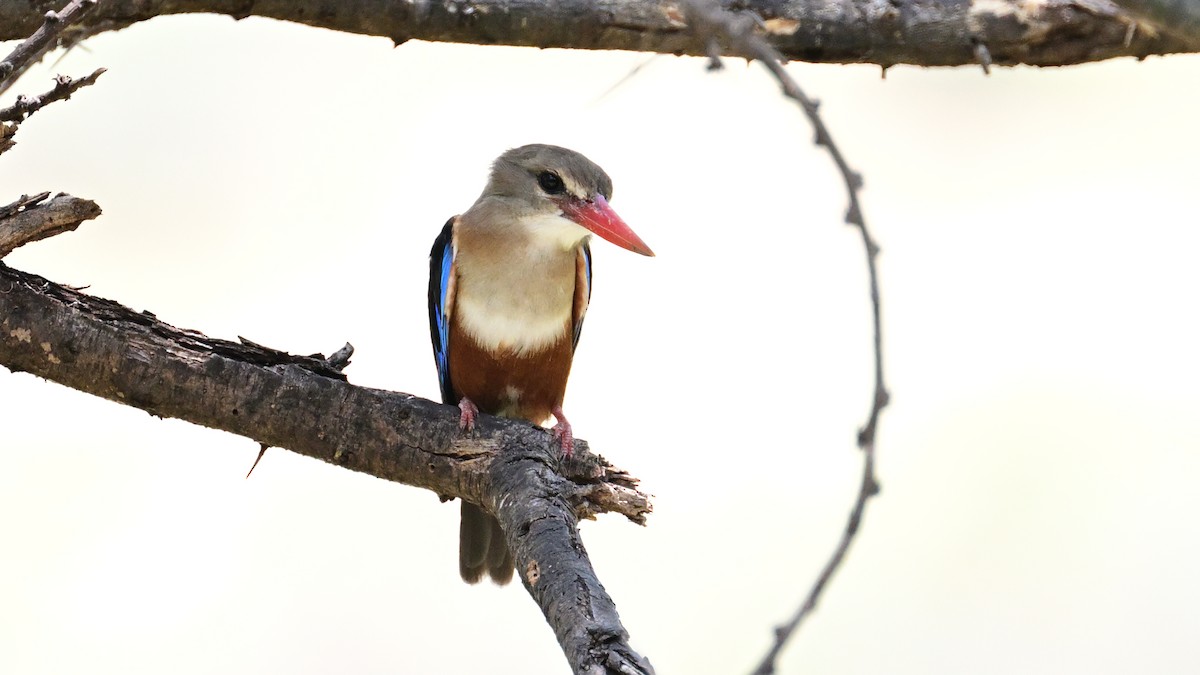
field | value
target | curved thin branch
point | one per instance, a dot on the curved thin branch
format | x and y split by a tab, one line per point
22	203
714	24
304	404
1035	32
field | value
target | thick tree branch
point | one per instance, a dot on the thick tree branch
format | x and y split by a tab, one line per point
884	32
536	513
304	404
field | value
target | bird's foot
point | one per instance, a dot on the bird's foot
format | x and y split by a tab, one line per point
562	432
467	414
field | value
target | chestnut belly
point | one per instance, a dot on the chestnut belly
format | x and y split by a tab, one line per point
527	385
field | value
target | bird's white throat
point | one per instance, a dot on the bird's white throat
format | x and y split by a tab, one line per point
555	230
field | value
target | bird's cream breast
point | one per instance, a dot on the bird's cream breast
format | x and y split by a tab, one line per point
520	303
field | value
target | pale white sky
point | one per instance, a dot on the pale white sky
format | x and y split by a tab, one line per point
1039	461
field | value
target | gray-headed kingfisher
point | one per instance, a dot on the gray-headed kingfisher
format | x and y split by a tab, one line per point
509	284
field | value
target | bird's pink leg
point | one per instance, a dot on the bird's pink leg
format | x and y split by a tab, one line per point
562	432
468	413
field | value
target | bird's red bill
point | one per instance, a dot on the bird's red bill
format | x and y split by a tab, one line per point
596	215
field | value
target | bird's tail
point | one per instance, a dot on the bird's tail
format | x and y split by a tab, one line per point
481	547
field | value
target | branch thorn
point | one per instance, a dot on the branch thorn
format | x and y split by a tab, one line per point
983	56
262	450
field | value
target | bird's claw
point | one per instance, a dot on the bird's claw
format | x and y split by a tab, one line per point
562	433
468	413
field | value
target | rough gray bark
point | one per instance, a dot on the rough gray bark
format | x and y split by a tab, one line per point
883	32
304	404
553	565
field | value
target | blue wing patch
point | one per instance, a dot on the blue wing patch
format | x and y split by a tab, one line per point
441	278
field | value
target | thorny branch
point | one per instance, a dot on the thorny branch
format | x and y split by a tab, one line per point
715	25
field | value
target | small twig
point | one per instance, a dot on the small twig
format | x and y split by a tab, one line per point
12	116
341	358
64	86
21	203
46	34
29	219
712	23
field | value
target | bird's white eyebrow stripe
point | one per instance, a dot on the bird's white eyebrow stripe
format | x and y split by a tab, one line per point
574	187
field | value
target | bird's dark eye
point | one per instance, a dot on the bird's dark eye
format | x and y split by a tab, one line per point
551	183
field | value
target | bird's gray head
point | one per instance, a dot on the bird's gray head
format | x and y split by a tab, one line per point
556	191
545	174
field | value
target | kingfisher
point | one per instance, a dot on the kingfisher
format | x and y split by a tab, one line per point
509	284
